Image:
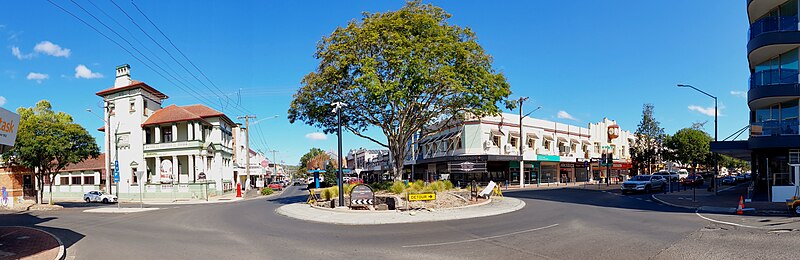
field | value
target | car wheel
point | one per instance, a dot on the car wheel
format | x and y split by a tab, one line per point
87	200
105	200
797	210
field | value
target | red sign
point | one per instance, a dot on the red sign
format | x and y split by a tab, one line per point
265	163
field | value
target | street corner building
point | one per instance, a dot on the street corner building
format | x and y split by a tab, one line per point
181	152
491	149
773	146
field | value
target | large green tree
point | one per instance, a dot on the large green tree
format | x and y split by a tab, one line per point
402	72
48	141
647	151
689	146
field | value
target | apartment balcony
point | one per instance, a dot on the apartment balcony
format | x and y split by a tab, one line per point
191	144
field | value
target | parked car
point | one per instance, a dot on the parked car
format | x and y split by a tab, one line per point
672	175
99	196
693	180
644	183
741	177
275	186
683	174
729	180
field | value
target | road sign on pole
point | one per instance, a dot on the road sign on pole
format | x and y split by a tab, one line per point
139	175
116	171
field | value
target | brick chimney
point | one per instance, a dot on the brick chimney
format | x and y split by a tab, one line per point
123	76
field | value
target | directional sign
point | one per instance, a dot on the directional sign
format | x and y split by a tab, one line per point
421	196
362	195
362	202
116	171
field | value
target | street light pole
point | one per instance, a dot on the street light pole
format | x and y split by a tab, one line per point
521	150
716	114
338	109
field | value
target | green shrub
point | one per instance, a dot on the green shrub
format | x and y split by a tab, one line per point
329	193
436	186
347	188
447	185
266	191
397	187
381	186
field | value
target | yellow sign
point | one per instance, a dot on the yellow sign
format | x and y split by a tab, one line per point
421	196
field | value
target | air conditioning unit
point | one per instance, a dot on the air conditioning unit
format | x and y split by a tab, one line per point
509	148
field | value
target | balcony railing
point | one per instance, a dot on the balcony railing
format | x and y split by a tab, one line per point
773	77
174	145
774	127
773	24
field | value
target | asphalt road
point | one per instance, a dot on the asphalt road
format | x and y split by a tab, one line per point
555	224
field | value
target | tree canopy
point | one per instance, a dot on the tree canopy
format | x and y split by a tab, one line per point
401	72
306	158
689	146
49	141
647	151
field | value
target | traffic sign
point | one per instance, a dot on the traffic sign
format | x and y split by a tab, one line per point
421	196
116	171
362	195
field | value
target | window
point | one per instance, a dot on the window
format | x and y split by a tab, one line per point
46	179
496	140
443	146
76	180
574	147
531	142
167	135
144	107
64	180
458	145
546	144
133	105
513	141
782	69
134	180
112	109
88	180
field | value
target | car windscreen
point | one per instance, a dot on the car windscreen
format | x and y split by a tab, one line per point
640	178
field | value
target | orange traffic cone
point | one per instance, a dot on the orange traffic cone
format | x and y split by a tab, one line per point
741	206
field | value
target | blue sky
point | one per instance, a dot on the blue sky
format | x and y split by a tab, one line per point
583	60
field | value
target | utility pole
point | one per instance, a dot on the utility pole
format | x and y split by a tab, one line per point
247	146
519	144
338	110
274	162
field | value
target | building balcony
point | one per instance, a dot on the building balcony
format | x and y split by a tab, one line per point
191	144
775	77
774	128
772	24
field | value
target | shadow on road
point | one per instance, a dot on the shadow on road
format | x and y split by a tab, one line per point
289	199
596	198
67	236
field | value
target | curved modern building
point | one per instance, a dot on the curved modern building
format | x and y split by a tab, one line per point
773	95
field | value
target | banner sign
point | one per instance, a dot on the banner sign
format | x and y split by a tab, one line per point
9	125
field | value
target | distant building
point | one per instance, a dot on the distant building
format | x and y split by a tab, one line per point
487	149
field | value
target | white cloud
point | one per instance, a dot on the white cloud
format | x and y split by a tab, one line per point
51	49
2	101
564	115
316	136
17	53
709	111
38	77
83	72
739	93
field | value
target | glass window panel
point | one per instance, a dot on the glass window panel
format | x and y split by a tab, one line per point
788	67
774	77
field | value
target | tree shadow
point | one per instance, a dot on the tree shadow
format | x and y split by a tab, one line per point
289	200
596	198
67	236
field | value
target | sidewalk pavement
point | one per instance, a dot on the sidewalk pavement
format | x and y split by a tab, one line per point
726	202
303	211
229	197
571	185
29	243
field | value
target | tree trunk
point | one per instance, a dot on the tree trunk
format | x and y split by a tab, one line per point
396	152
50	185
40	189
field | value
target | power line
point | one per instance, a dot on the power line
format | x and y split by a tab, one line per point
118	44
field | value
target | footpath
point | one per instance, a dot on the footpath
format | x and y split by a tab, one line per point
494	206
29	243
725	202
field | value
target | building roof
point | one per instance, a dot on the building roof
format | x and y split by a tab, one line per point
133	85
175	113
88	164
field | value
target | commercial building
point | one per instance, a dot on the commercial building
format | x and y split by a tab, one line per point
773	146
488	149
369	164
182	151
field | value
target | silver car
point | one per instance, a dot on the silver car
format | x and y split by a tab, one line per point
644	183
99	196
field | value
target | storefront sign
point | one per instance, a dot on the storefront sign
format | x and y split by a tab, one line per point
166	187
421	196
567	165
9	125
362	195
467	167
166	171
183	188
548	158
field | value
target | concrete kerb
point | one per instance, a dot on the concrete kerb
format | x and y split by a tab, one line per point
200	202
397	210
61	249
305	212
654	197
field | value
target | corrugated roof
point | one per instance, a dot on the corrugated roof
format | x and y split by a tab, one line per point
88	164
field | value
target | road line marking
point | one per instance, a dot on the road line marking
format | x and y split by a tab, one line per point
482	238
697	212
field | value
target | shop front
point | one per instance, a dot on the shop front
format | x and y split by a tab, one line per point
548	168
566	172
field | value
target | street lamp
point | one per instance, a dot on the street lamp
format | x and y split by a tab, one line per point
337	108
716	114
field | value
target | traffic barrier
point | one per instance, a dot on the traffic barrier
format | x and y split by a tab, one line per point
741	206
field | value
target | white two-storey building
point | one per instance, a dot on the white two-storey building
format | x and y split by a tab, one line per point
488	148
182	151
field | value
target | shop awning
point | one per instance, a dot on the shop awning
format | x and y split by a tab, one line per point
533	135
586	142
514	133
497	132
574	140
548	137
561	138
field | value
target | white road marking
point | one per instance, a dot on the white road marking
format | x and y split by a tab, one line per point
482	238
697	212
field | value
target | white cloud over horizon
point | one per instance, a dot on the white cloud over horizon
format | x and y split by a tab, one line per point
709	111
38	77
51	49
741	94
564	115
316	136
82	71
